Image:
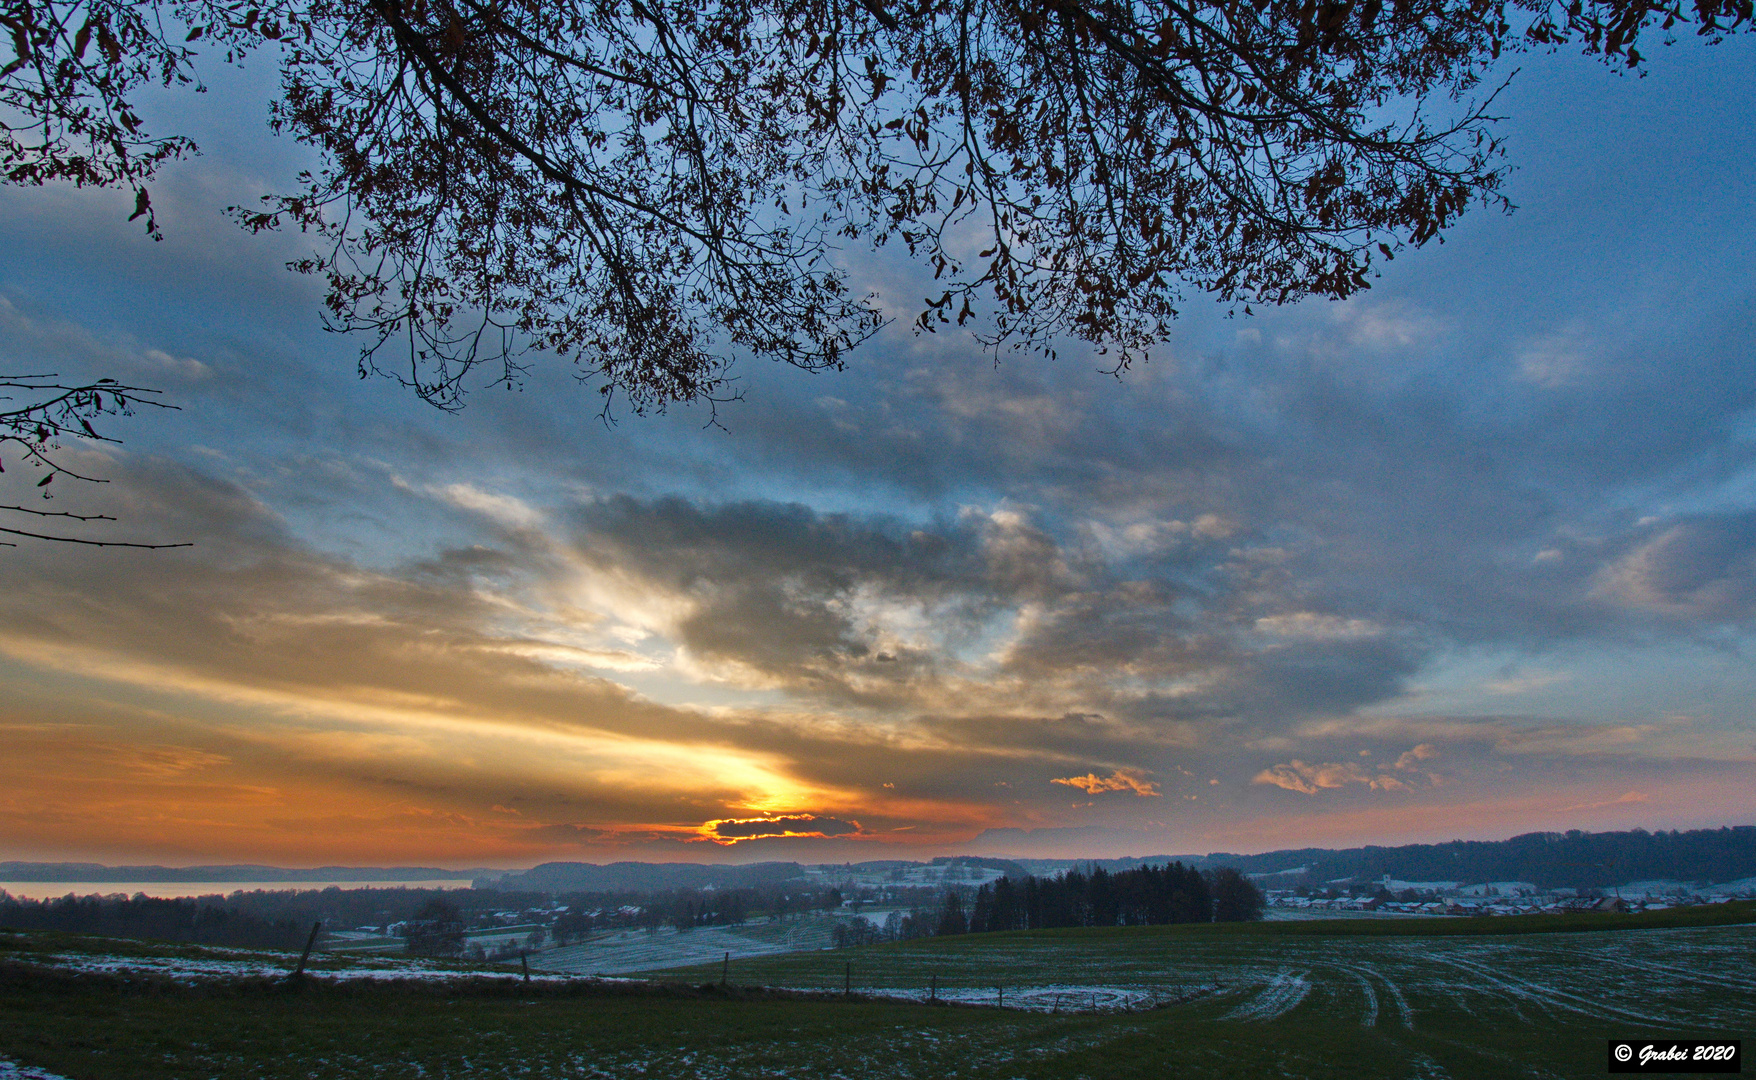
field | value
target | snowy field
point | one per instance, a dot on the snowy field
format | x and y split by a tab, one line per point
1132	1004
1681	978
623	951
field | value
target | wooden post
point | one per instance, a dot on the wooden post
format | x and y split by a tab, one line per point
847	986
1001	1000
725	972
933	994
524	959
306	955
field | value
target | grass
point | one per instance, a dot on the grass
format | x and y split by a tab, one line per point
1344	1000
94	1033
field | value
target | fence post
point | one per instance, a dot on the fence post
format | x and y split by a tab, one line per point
847	986
1001	1001
306	955
725	972
524	961
933	994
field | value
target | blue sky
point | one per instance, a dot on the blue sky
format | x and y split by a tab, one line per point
1470	554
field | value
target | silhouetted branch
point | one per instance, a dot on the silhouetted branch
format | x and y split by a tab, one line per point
52	412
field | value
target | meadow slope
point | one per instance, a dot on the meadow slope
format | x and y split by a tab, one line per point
1330	1002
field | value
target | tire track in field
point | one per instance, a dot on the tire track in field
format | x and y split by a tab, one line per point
1425	1068
1649	967
1403	1012
1281	996
1369	1018
1553	999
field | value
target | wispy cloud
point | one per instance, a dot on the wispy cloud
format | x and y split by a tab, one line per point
1296	775
732	830
1120	780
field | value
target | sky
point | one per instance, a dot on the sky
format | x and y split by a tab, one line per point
1468	555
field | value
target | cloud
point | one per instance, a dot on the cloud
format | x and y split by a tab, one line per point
1699	568
505	509
1525	682
733	830
1120	780
568	834
1295	775
1631	798
51	344
1316	627
1412	759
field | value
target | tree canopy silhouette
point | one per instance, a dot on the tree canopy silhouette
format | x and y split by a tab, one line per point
652	187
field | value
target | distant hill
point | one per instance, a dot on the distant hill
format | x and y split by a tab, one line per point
639	877
1571	859
35	871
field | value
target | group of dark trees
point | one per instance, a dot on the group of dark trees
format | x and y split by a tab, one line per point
1144	896
440	929
435	930
204	921
350	909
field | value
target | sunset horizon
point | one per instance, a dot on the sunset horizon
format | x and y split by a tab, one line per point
1467	555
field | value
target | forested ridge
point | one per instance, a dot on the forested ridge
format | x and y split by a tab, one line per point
1572	859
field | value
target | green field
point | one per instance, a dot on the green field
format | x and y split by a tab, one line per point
1425	999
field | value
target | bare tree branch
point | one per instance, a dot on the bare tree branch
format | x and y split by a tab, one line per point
37	426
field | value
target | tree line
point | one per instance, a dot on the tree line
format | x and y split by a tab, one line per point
1144	896
189	920
432	921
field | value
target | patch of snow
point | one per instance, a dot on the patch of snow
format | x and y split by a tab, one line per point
1369	1018
1402	1010
620	952
1068	998
1740	887
1500	888
196	969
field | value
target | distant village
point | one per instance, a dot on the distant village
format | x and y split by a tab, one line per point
1391	897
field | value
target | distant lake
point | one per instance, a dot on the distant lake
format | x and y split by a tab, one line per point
49	890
